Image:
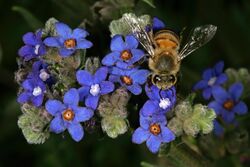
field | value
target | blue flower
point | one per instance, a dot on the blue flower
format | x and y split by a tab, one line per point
33	47
153	130
227	104
211	77
40	72
218	129
158	24
68	115
131	79
93	86
160	101
33	92
68	41
124	53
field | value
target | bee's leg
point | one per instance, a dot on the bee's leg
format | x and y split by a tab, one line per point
149	80
140	62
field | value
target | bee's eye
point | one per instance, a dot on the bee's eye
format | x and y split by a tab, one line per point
156	78
172	79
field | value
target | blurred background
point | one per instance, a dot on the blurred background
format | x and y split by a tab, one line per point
17	17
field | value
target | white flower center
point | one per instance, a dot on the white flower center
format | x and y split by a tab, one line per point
164	103
95	89
43	75
37	91
211	81
37	49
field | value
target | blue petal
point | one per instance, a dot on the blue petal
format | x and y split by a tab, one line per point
100	75
84	77
228	116
152	92
37	100
240	108
216	106
218	129
221	79
123	65
83	92
135	89
153	144
111	58
63	30
207	92
140	135
106	87
23	97
114	78
167	135
200	85
71	97
131	41
82	114
42	50
52	42
25	50
158	24
28	85
207	74
145	121
79	33
29	39
57	125
54	107
137	55
117	43
66	52
140	76
149	108
220	94
117	71
219	67
92	101
83	44
236	90
76	131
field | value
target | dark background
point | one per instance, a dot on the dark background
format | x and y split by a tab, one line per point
230	44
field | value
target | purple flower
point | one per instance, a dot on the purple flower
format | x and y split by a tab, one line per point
124	53
40	72
33	47
68	115
68	41
93	86
131	79
227	104
211	77
33	92
153	130
160	101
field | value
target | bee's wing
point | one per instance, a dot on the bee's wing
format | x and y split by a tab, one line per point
199	37
139	32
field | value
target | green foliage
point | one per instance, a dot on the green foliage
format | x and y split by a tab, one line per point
192	119
34	124
92	64
121	27
33	22
112	109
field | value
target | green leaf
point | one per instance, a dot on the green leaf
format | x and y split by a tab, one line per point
150	3
145	164
33	22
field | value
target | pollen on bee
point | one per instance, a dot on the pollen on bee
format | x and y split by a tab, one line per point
126	55
127	80
68	115
70	43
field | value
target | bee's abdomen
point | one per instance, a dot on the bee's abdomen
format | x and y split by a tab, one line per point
167	39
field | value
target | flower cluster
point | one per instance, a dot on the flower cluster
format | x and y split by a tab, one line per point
226	103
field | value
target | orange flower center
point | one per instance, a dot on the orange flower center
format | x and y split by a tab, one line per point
70	43
155	129
228	105
127	80
68	115
126	55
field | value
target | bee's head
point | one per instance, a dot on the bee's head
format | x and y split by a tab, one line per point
164	81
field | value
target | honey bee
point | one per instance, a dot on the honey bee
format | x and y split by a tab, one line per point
163	47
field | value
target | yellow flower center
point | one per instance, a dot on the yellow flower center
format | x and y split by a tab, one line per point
155	129
228	105
68	115
70	43
127	80
126	55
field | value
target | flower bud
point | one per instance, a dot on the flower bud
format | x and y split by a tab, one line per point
176	126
